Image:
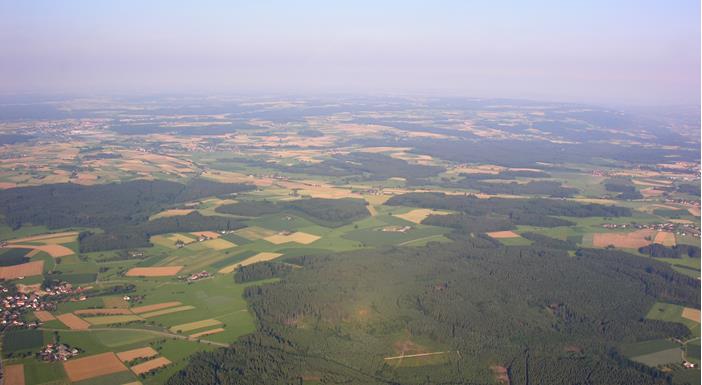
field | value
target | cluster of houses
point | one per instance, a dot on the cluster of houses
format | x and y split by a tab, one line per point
396	229
14	305
200	238
197	276
57	352
682	229
688	365
684	202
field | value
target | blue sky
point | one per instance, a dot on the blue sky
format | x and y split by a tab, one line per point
623	52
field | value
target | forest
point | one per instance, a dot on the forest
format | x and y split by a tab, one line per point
373	166
485	305
472	205
104	206
119	211
326	212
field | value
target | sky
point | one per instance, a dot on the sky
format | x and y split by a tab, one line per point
637	52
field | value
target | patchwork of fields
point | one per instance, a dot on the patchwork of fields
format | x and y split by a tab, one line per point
164	273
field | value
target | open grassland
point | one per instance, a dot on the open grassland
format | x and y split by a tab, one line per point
647	347
674	313
115	302
253	233
112	319
93	366
663	357
97	312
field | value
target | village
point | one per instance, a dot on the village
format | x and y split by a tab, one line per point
682	229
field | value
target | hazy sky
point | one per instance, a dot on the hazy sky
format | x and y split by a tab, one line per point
632	52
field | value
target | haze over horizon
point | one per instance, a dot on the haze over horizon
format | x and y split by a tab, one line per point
630	53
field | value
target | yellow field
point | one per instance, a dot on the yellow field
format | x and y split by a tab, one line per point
632	240
93	366
73	321
51	249
665	238
13	374
418	215
297	237
376	200
130	355
44	316
503	234
254	232
260	257
208	234
194	325
181	237
60	240
161	271
96	312
166	311
46	237
112	319
218	244
691	314
115	302
150	365
206	333
28	269
171	213
156	306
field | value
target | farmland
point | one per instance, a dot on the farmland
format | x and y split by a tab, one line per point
377	251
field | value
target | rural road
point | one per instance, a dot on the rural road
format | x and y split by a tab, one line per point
156	332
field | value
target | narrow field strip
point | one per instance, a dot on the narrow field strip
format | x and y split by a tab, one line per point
194	325
150	365
156	306
206	333
166	311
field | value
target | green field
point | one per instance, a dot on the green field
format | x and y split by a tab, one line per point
672	313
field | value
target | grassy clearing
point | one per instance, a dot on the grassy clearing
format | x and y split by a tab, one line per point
647	347
663	357
672	313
